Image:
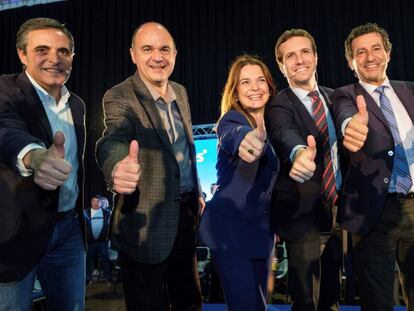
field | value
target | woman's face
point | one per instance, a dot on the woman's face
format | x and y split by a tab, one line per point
252	88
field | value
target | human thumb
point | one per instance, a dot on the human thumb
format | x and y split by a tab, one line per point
362	109
58	146
133	151
311	149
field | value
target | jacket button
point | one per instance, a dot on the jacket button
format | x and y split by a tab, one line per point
386	180
390	153
266	213
177	175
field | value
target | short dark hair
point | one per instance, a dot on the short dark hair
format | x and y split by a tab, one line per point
41	23
362	30
294	32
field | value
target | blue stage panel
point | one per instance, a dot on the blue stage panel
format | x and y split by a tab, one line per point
221	307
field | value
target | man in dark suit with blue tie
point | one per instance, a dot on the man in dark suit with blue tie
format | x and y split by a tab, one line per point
375	117
302	131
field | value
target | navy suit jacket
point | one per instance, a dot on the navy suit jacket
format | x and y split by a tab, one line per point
366	182
296	207
27	211
103	236
236	220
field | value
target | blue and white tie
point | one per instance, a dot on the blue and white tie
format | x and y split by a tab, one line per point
401	172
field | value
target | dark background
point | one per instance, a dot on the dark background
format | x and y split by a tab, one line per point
208	35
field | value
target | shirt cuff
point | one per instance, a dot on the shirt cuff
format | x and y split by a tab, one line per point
293	152
25	172
344	125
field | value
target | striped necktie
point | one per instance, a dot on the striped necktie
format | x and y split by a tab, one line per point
328	177
400	171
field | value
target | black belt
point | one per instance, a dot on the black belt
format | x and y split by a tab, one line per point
66	214
401	196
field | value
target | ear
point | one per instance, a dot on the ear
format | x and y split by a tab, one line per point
389	55
282	69
316	59
351	64
22	56
131	51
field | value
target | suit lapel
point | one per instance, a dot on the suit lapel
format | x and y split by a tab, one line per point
33	110
307	119
149	106
77	110
406	96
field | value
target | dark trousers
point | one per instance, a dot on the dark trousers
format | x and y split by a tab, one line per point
170	285
304	275
375	255
100	250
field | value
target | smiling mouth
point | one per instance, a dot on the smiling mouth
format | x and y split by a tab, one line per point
53	70
255	97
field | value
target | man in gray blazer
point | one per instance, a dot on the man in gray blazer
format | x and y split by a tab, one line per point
147	156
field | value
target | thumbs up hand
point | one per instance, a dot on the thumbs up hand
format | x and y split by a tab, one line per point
252	146
126	173
304	162
51	170
357	129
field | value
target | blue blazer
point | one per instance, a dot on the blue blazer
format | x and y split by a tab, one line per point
366	182
235	221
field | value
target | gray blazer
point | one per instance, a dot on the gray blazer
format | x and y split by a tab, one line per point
144	223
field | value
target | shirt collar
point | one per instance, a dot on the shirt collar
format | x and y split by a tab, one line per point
44	95
370	88
169	96
303	94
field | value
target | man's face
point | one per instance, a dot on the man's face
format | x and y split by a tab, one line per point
298	62
95	203
48	58
154	54
370	60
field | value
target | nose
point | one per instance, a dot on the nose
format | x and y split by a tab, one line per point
254	86
370	55
299	59
53	57
156	55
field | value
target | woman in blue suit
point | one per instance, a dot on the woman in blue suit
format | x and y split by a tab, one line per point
235	223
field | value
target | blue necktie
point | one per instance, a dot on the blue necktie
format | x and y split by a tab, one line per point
401	172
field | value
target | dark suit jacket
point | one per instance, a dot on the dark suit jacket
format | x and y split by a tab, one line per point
236	220
103	236
296	207
366	182
27	211
145	222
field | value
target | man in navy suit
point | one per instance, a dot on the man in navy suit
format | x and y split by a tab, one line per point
42	137
301	208
375	117
97	226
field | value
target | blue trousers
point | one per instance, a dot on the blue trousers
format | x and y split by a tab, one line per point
61	272
244	282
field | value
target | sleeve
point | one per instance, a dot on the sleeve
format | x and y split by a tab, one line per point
231	130
119	131
283	130
14	133
344	107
